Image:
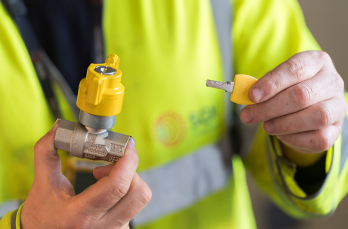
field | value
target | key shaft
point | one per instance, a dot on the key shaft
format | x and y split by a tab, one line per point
227	86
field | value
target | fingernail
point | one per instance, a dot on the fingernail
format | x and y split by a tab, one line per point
55	125
98	167
269	127
130	144
257	94
246	115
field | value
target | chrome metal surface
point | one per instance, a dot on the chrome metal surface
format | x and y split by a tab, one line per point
97	122
95	131
227	86
64	134
105	70
75	138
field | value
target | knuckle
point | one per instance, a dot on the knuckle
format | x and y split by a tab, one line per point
118	224
296	68
323	55
325	116
268	112
83	223
323	140
263	112
344	107
80	222
144	193
119	221
339	81
119	190
37	146
75	218
301	95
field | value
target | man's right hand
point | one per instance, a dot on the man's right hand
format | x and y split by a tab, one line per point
118	196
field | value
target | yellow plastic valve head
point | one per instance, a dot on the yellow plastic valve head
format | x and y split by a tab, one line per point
101	92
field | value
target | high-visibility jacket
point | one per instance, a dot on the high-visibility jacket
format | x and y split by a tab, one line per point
168	49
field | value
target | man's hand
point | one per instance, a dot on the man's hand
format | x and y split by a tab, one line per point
301	102
112	202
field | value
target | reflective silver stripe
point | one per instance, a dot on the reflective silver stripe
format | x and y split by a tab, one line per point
8	206
183	182
344	144
222	12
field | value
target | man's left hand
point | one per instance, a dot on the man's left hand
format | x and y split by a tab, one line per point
301	102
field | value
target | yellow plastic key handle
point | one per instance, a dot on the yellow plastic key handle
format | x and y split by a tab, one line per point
242	85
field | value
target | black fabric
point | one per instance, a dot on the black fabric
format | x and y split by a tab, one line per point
83	180
310	179
63	28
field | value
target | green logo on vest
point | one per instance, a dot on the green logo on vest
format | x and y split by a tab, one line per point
203	120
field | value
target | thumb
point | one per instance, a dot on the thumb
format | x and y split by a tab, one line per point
46	159
102	171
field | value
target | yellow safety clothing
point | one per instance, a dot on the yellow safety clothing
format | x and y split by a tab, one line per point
168	49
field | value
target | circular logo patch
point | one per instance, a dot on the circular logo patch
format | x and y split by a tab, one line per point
170	129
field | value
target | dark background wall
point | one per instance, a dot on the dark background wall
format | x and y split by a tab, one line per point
328	21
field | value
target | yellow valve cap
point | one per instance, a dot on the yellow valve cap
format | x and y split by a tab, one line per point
242	85
101	92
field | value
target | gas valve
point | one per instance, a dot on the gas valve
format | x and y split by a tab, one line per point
99	99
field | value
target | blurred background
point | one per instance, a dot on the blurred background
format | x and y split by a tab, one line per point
328	21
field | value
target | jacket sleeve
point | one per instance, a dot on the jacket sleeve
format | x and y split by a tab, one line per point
276	176
12	220
266	33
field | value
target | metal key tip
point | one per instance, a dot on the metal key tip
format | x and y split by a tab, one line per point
227	86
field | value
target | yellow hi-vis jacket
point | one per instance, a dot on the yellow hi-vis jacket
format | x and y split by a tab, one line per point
168	49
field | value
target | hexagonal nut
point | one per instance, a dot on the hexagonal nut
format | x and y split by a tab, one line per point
64	134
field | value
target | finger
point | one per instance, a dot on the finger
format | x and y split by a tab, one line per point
46	160
314	141
136	199
298	68
298	97
102	171
314	117
104	194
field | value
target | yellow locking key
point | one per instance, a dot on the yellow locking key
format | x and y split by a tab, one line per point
239	88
